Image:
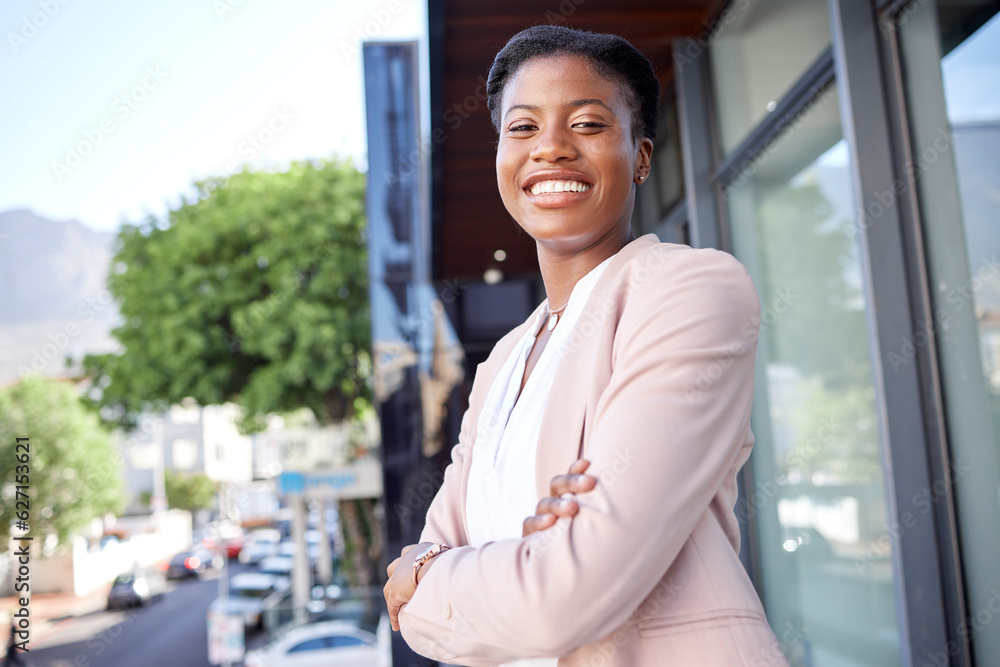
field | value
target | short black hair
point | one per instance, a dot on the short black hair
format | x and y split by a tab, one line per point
610	55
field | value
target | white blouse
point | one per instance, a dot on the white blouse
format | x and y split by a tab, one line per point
501	491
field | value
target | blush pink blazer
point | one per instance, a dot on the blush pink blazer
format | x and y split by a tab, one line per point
655	389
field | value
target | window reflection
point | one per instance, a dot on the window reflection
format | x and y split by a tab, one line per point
817	495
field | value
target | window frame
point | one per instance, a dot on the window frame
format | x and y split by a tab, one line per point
914	447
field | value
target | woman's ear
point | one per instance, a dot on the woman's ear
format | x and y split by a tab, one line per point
643	156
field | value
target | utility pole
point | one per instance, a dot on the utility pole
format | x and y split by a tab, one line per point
224	578
158	501
300	561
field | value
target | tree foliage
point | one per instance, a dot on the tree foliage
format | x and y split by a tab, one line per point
73	472
256	293
189	492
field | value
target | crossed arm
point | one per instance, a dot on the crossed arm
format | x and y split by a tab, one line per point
561	503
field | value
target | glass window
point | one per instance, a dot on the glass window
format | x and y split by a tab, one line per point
759	50
310	645
817	497
951	65
344	640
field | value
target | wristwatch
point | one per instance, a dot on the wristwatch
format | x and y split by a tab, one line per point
426	555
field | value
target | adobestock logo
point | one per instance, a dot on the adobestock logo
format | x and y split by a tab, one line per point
31	25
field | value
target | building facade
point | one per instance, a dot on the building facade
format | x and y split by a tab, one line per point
188	439
848	153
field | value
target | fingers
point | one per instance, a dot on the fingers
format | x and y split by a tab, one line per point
548	511
566	506
572	483
399	589
562	502
533	524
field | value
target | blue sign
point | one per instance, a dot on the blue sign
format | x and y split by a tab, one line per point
298	483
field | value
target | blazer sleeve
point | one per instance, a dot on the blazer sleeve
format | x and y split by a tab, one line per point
667	431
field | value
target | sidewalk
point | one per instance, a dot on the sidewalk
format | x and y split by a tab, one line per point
48	609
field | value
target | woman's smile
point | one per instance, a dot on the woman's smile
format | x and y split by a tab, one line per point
553	188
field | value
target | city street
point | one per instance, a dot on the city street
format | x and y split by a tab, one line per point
168	632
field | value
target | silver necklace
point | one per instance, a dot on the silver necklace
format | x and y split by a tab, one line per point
554	316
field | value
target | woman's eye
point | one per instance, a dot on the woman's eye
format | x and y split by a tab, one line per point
589	125
521	127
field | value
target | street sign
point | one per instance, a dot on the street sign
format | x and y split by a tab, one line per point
225	638
360	479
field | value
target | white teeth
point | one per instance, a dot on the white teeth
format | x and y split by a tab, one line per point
546	187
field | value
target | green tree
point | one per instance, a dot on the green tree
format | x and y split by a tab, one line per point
189	492
73	471
256	293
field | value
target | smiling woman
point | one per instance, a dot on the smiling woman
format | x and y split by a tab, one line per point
587	516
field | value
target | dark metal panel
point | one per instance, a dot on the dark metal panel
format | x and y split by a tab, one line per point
435	65
698	152
865	114
400	306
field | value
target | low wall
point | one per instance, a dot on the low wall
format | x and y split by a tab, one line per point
80	570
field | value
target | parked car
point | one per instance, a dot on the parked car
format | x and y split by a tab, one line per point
192	563
280	566
221	536
312	537
134	589
330	643
258	545
249	595
233	546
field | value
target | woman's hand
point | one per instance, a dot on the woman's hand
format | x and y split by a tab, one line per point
399	589
562	502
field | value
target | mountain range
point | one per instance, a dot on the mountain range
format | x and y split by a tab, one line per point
54	301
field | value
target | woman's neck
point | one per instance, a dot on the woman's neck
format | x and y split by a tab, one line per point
561	272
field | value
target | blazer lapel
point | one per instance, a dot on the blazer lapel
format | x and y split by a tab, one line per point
577	382
486	374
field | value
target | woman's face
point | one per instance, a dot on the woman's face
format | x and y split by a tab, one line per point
566	159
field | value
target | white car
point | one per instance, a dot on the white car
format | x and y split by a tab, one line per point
276	565
258	545
328	644
248	594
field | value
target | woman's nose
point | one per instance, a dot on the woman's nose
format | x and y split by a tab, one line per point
553	144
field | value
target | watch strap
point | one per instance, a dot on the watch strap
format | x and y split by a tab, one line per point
425	555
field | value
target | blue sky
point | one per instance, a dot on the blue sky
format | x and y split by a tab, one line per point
111	110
